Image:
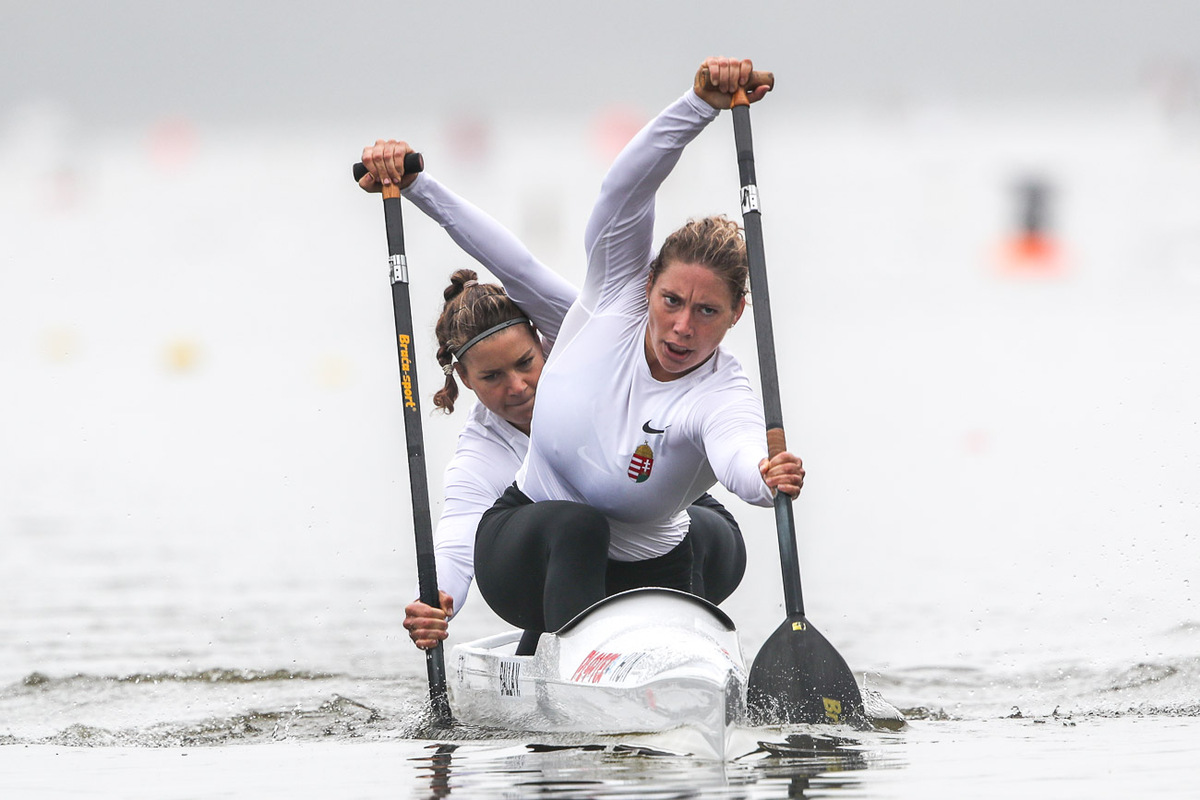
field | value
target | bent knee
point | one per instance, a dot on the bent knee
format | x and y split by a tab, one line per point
568	513
576	524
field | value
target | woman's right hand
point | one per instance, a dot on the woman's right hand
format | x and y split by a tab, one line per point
783	472
426	625
718	78
384	161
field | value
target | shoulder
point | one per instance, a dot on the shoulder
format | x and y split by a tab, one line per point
723	375
728	369
723	387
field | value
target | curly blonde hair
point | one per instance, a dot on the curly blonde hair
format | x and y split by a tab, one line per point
714	242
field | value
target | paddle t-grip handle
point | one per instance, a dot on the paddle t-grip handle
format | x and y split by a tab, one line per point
413	162
757	78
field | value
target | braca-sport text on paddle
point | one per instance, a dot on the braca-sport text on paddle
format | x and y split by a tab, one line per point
414	438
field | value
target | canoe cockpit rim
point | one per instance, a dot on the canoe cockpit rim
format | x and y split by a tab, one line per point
717	613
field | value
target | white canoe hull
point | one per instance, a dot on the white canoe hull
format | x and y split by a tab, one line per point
643	661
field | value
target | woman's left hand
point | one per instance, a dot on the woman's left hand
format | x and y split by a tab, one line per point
784	473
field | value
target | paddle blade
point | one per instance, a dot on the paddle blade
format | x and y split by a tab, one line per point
798	677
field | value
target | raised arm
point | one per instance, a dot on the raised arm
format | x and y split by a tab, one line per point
539	291
621	228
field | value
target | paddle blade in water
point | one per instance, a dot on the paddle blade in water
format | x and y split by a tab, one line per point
798	677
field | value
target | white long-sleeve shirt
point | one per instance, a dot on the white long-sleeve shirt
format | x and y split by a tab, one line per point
605	431
489	449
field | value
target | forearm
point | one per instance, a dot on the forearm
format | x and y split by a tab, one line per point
454	554
539	291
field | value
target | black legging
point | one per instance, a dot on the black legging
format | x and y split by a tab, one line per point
718	550
539	564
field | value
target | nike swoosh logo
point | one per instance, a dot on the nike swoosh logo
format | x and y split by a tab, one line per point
647	429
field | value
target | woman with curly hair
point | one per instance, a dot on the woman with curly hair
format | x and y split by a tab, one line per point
641	410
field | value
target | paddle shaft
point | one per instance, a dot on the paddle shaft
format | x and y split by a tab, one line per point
785	523
414	439
797	676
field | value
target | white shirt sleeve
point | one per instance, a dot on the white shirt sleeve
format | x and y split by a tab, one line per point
620	230
466	498
538	290
483	465
734	437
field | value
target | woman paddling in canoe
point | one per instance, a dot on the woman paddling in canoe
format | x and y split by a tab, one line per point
640	409
495	343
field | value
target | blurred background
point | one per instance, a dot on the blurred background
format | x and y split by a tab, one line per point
982	224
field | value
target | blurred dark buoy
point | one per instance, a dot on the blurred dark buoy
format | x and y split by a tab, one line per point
1033	248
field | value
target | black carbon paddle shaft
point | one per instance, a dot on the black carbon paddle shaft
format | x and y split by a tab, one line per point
764	332
797	676
435	664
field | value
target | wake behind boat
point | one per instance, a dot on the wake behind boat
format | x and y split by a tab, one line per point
642	661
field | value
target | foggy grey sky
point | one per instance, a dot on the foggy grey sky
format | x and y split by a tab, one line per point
129	61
